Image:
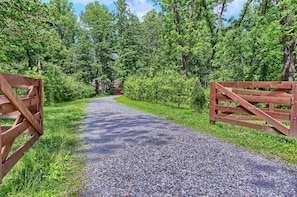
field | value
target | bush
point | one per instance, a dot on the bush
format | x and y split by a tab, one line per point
198	99
60	87
170	89
57	86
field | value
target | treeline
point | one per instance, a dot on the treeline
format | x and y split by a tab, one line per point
79	57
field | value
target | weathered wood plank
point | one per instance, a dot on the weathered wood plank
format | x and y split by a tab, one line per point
8	107
253	109
238	117
258	99
10	94
40	102
10	162
19	81
6	149
280	115
1	174
213	102
5	128
260	84
247	124
11	115
9	135
277	92
293	121
19	107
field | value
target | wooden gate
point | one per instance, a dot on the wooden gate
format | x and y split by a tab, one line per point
269	106
21	115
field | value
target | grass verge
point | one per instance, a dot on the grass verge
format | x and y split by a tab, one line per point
271	145
52	166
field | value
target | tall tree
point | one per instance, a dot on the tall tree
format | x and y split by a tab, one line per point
65	21
98	20
26	34
289	40
153	44
127	48
191	33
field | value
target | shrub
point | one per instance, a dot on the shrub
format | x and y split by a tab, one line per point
59	87
170	89
198	99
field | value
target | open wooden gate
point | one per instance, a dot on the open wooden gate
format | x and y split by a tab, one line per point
269	106
20	105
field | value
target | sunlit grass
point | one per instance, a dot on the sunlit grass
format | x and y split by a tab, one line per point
53	165
271	145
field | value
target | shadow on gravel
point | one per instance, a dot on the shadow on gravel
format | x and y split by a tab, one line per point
202	164
110	131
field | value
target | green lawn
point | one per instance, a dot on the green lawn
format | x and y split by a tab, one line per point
270	145
52	166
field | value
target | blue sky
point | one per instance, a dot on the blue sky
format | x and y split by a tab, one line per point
141	7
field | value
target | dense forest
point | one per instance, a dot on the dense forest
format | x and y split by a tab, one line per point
79	56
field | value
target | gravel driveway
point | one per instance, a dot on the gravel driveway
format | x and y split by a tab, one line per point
131	153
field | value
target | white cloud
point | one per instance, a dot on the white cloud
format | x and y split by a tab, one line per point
140	7
234	8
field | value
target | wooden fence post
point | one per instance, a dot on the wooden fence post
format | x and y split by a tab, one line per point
28	115
0	151
293	121
213	102
40	107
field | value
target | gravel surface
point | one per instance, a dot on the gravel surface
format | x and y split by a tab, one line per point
131	153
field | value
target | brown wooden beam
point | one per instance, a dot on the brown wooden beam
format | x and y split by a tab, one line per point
213	102
8	107
248	124
258	99
260	84
9	135
253	109
1	174
13	159
19	81
293	120
10	94
277	92
241	110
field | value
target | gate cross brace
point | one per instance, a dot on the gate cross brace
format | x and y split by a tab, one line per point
277	125
17	102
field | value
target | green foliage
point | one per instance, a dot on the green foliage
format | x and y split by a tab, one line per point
61	87
64	20
198	99
52	166
127	41
271	145
170	89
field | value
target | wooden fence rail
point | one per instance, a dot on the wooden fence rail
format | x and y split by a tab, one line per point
268	106
21	115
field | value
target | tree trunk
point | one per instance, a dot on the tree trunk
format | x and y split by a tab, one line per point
221	15
289	59
96	86
185	59
97	83
289	46
39	64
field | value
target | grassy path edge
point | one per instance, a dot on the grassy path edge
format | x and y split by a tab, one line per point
54	164
272	146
